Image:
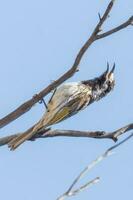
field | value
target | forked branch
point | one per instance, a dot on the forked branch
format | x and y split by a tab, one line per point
71	191
26	106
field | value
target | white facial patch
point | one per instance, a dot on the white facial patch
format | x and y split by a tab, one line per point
111	77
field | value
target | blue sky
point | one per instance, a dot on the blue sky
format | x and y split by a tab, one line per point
38	42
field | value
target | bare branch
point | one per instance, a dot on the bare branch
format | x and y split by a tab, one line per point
108	152
116	29
26	106
73	133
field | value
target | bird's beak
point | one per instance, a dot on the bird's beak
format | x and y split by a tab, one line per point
107	70
112	71
109	74
113	68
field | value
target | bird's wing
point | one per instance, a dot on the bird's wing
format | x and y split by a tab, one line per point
71	107
66	101
58	106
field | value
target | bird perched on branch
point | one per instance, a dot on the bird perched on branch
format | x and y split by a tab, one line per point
67	100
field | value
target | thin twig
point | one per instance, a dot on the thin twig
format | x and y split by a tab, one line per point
26	106
108	152
82	188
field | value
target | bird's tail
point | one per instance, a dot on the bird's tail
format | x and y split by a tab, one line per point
48	119
18	140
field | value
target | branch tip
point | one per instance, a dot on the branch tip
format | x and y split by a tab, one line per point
131	20
97	179
99	15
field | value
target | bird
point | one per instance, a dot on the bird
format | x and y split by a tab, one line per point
67	100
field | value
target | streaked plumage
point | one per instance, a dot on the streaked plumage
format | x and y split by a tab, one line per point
68	100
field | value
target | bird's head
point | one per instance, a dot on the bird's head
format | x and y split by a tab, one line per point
106	81
103	84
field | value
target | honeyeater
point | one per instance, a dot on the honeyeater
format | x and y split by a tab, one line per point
69	99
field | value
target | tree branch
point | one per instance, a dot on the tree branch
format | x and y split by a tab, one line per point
46	133
94	34
71	192
116	29
26	106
